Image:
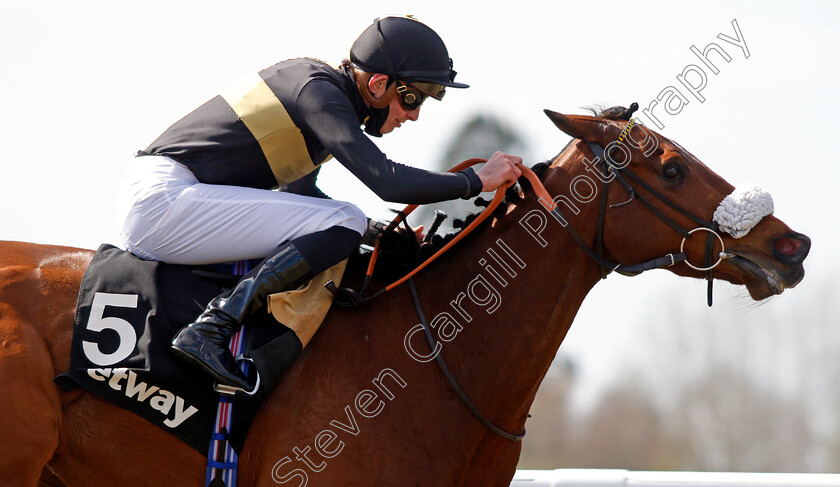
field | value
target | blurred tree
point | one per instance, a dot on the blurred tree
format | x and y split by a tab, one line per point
750	388
730	389
724	421
624	431
480	136
547	443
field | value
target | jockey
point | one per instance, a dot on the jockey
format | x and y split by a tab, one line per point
202	192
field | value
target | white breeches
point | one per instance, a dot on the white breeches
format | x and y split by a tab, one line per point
165	214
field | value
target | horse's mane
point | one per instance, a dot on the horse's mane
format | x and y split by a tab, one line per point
399	250
617	112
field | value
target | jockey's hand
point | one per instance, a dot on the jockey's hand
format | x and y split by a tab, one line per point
501	170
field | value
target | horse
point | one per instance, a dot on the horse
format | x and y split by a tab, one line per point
365	404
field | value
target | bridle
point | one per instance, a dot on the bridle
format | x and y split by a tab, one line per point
621	175
350	298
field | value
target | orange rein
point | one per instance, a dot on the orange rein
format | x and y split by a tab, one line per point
546	200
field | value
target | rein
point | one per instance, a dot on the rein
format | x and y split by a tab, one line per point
551	206
452	382
351	298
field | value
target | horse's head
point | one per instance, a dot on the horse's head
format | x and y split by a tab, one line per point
766	256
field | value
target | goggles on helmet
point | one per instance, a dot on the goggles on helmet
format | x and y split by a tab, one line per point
413	94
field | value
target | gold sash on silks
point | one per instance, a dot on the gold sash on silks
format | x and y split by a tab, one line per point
266	118
303	310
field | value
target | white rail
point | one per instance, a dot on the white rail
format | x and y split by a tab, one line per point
624	478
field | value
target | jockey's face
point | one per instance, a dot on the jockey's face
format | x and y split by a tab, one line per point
397	115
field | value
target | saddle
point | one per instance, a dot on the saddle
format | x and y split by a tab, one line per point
127	313
129	309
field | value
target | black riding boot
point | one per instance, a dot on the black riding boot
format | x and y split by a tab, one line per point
205	342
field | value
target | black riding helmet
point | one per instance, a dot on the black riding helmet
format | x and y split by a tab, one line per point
412	55
406	49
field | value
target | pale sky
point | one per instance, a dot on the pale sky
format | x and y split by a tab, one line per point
85	84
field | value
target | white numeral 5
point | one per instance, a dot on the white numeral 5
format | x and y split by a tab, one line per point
96	322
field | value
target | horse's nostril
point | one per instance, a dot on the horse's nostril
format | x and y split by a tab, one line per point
786	246
792	248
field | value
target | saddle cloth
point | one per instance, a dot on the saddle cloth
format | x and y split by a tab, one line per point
127	313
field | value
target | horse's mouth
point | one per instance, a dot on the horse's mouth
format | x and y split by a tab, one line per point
763	276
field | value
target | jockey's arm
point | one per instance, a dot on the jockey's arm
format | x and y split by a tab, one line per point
330	116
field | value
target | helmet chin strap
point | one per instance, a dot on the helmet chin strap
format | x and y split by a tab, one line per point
379	107
374	123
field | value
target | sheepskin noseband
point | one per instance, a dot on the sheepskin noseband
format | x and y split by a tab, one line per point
739	212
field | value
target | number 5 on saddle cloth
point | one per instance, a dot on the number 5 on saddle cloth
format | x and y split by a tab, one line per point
129	310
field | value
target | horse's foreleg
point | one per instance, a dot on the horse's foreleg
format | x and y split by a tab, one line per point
30	410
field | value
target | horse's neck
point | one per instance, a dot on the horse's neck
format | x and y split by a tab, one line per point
509	342
500	304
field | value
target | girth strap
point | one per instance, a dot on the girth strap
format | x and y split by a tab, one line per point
222	459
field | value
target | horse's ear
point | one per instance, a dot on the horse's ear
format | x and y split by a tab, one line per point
588	129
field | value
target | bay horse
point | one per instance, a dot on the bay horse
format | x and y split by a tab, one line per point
365	404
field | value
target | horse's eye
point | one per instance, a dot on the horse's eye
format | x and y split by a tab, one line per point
672	172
